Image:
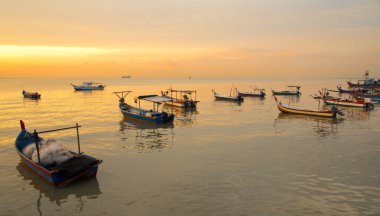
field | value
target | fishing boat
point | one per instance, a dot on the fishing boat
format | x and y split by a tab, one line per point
352	91
367	82
36	155
257	92
366	103
373	100
181	98
293	90
126	77
150	116
31	95
324	94
232	97
321	113
372	95
88	86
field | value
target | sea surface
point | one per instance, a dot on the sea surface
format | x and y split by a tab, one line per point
221	159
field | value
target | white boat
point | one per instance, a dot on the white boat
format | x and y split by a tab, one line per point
89	86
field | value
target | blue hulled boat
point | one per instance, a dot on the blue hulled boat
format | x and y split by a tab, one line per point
151	116
367	82
58	173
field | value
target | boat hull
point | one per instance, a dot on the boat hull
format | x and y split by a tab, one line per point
354	85
327	113
81	88
352	91
246	94
148	119
359	104
236	99
34	96
52	177
286	93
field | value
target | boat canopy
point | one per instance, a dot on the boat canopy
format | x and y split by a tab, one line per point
154	98
294	86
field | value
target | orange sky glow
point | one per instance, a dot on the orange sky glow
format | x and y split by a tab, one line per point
168	38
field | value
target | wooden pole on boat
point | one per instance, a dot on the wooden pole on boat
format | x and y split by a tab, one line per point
37	145
77	126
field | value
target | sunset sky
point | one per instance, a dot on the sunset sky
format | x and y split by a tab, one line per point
178	38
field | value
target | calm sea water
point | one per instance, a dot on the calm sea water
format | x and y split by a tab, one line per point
222	159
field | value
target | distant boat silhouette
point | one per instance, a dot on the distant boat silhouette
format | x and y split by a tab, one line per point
128	76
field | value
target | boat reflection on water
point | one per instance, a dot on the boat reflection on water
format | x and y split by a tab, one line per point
184	116
234	107
322	126
145	135
286	99
88	93
232	103
354	113
30	102
87	189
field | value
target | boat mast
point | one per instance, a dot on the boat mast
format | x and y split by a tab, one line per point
77	126
37	145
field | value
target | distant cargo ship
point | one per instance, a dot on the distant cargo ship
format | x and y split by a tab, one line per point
129	76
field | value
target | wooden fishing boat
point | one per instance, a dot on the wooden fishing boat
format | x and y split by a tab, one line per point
181	98
88	86
31	95
293	90
352	91
371	95
228	98
257	92
149	116
373	100
321	113
78	167
324	94
365	83
350	103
